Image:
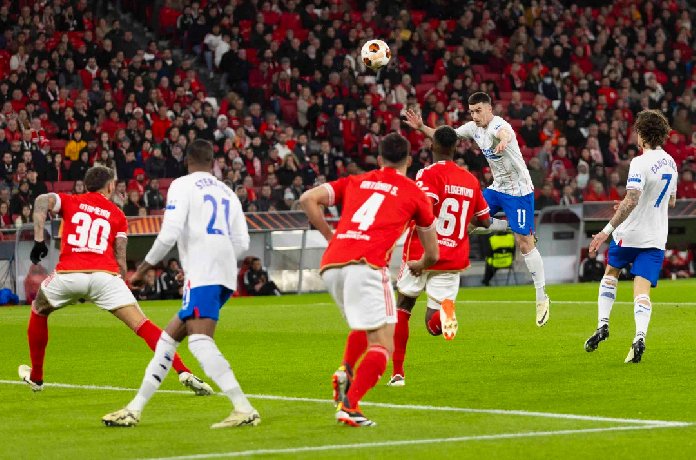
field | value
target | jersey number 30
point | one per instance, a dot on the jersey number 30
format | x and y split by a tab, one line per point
89	233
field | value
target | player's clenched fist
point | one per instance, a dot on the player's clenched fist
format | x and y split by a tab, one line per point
38	252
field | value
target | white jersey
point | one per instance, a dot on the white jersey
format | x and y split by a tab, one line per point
510	174
654	173
204	218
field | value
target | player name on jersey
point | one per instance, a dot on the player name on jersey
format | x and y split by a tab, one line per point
459	190
380	186
95	210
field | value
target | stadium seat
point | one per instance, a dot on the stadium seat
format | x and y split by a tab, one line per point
417	17
64	186
58	145
429	78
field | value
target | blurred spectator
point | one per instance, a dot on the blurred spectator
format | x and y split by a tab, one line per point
79	167
546	198
257	282
678	264
21	198
75	146
120	196
25	217
134	203
150	289
5	216
36	187
78	187
591	269
686	188
153	198
171	280
595	192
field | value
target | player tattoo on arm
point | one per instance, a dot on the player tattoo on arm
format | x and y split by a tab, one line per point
626	206
41	206
120	245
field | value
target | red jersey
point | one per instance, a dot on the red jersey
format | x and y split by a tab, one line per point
91	224
377	207
457	197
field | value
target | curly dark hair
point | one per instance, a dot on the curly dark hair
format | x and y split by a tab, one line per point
652	127
97	177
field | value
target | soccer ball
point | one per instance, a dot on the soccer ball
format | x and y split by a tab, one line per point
375	54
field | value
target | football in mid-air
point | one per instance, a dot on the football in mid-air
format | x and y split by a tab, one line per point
375	54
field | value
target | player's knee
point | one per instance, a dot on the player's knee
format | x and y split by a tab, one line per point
526	244
642	301
41	305
609	281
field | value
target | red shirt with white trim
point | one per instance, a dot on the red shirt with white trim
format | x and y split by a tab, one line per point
377	208
457	198
91	224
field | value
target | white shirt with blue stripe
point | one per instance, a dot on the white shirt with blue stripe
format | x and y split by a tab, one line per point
510	173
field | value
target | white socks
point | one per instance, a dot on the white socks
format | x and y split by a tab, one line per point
218	369
155	372
536	268
642	309
605	300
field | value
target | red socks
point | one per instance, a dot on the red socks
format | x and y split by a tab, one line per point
37	333
368	374
150	333
355	347
434	324
400	340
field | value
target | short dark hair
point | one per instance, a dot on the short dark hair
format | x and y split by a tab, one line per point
394	148
200	152
97	177
652	126
446	136
478	98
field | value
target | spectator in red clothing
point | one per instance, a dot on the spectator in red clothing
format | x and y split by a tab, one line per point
5	216
549	132
160	124
138	182
678	264
595	192
686	187
616	189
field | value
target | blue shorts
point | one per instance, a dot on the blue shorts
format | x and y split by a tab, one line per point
519	210
647	262
204	302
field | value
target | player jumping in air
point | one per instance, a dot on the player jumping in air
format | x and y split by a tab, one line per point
92	265
512	190
457	199
377	207
639	229
204	218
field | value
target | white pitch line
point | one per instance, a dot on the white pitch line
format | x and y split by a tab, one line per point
521	413
406	442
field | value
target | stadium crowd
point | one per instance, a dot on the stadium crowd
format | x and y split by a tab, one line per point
291	106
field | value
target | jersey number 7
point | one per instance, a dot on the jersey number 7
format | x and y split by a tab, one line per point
668	178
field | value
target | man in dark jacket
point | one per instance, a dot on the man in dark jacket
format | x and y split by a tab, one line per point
256	280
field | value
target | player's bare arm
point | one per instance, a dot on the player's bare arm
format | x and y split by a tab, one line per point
431	251
415	121
672	201
625	208
120	245
505	136
41	206
313	202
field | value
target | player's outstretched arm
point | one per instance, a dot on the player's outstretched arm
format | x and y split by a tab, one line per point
624	209
431	251
313	202
415	121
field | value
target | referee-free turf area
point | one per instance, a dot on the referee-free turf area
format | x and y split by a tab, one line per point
502	389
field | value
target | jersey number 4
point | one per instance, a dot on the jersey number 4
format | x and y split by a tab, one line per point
90	233
365	215
447	219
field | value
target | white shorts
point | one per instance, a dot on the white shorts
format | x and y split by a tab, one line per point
107	291
363	294
437	285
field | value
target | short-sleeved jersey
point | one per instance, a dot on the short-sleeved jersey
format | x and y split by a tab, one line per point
457	198
510	173
377	207
205	218
91	224
654	173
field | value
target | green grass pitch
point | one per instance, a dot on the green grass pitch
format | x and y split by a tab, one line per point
496	391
